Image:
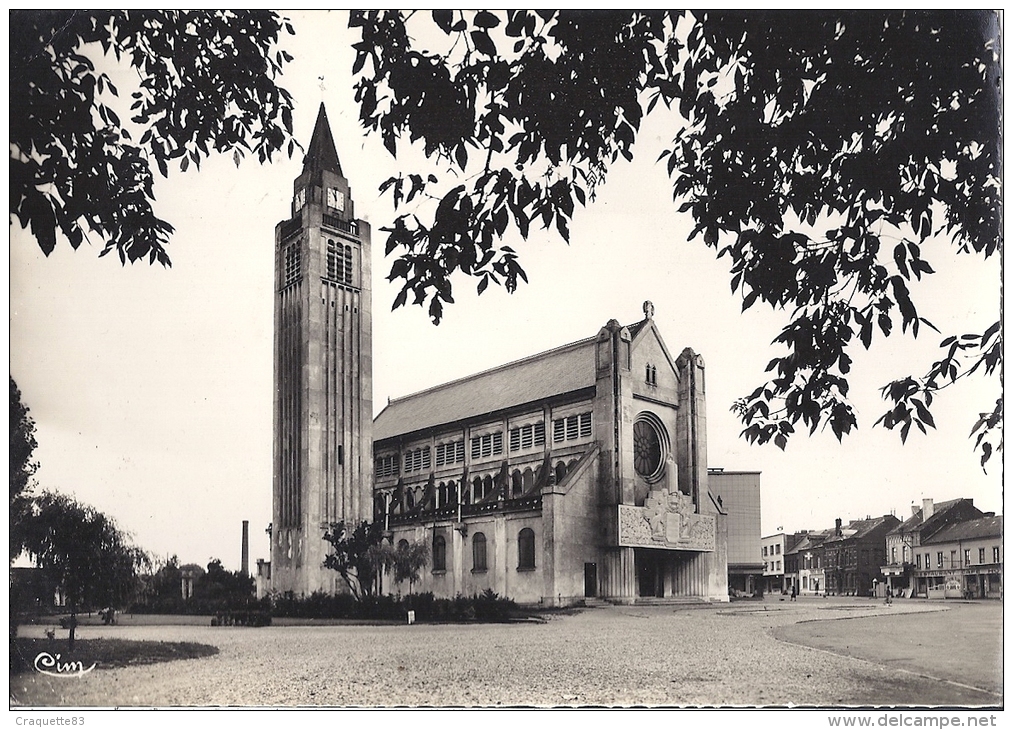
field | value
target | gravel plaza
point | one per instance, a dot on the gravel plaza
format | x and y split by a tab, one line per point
642	655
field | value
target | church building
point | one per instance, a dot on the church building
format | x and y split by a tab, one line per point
576	473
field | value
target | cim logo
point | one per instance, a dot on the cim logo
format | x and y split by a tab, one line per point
46	663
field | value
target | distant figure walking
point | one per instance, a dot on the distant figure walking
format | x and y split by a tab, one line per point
889	596
794	592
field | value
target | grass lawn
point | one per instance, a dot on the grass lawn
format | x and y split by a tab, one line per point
961	644
105	653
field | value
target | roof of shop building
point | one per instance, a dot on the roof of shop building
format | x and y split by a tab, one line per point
969	530
914	522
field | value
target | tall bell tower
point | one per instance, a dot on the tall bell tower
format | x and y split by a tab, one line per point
323	370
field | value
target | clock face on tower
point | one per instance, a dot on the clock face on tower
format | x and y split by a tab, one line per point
335	198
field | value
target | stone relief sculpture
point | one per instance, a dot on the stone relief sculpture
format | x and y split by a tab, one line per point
667	519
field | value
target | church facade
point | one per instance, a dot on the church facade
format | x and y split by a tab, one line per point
576	473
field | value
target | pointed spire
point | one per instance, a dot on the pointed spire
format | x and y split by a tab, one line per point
321	154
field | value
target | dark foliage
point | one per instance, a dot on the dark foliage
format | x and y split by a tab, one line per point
22	468
486	607
358	556
408	560
216	591
205	81
823	153
339	605
82	551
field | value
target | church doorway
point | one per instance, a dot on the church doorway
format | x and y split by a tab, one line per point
590	580
649	575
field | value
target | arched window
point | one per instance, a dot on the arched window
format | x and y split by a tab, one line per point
527	479
516	484
526	549
486	486
478	560
402	545
410	498
476	489
452	493
439	553
378	506
560	472
441	495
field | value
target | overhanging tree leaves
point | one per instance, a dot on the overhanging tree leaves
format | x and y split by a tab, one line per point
824	154
83	552
205	81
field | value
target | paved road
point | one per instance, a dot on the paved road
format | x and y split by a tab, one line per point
962	644
615	656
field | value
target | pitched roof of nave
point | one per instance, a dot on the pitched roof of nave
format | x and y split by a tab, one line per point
321	153
560	370
529	380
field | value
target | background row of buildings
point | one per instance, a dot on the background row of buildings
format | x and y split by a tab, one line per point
946	550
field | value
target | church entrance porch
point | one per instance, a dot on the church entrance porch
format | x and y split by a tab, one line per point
630	574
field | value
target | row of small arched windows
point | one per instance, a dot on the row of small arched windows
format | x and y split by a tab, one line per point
479	555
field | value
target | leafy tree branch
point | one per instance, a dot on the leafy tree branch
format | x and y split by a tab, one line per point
205	82
821	153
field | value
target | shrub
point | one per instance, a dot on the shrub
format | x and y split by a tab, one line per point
487	607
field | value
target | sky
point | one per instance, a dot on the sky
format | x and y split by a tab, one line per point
151	388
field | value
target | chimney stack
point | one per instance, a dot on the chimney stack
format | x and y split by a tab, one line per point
927	509
246	548
837	527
